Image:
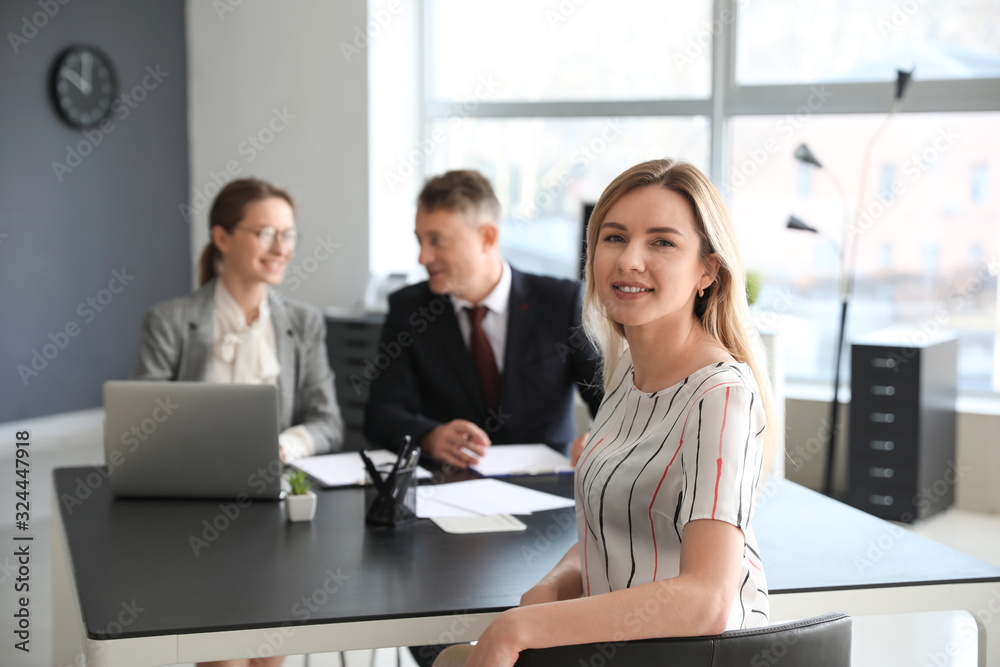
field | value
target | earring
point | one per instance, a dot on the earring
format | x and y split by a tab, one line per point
701	292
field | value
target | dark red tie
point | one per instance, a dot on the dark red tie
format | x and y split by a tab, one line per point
482	357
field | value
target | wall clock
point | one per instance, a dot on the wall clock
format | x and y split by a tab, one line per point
83	86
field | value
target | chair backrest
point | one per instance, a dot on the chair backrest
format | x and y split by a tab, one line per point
352	350
824	641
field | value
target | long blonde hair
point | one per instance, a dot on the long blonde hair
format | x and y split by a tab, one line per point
723	310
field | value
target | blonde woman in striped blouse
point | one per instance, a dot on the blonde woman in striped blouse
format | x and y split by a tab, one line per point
666	482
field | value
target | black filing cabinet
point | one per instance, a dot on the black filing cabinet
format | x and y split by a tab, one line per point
902	424
352	346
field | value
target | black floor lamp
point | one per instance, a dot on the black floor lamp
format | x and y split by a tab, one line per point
848	258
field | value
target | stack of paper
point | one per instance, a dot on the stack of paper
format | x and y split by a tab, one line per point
482	505
484	497
347	469
510	460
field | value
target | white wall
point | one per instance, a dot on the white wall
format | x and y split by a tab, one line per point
260	57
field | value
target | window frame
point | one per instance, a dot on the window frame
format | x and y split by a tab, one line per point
729	99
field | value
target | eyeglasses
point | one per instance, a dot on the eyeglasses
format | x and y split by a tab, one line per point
267	235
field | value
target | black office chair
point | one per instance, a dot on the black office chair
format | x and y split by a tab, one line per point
824	641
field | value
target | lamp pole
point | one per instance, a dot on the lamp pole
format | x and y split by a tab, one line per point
848	259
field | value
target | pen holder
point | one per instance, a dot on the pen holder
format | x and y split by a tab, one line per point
396	501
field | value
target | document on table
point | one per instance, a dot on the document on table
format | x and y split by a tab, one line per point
464	525
347	469
484	497
510	460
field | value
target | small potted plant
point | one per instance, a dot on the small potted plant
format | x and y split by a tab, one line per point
300	503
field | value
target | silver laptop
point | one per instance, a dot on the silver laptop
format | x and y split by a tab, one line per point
192	440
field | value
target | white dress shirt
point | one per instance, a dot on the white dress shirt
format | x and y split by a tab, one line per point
495	320
246	354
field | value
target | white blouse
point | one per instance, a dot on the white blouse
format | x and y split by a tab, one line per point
656	461
246	354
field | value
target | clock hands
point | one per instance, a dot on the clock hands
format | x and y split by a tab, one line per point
87	71
81	82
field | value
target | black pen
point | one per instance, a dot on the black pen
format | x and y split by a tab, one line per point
372	470
404	453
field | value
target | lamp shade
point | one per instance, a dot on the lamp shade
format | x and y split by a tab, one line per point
795	223
803	154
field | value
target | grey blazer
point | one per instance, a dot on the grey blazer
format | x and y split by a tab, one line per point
177	345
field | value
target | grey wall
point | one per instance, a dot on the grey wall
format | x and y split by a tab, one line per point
63	240
275	73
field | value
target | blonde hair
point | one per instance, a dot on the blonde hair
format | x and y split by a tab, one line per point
723	310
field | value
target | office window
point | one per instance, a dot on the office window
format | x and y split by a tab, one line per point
887	181
519	99
805	180
545	169
913	264
531	51
866	40
980	183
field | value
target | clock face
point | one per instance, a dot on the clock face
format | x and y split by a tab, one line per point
83	86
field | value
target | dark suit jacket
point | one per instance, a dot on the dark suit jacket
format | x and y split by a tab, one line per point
424	375
177	345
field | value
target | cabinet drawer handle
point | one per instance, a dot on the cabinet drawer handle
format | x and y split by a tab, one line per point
883	390
883	362
883	417
883	445
875	499
881	473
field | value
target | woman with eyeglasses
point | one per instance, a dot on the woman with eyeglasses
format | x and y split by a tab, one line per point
237	329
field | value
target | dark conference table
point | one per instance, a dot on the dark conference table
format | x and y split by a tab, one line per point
145	582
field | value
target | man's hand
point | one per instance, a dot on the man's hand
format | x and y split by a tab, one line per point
459	443
576	447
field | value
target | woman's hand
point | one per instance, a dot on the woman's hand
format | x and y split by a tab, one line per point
499	645
540	593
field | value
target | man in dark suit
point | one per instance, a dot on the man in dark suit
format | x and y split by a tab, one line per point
482	353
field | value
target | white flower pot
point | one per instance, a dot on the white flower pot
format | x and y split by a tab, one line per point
301	508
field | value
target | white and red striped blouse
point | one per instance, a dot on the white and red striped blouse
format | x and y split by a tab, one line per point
657	460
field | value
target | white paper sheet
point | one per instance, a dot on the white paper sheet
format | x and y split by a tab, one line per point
509	460
464	525
347	469
487	497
